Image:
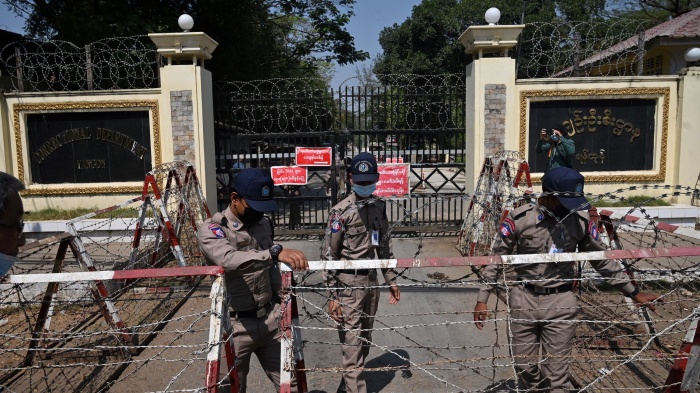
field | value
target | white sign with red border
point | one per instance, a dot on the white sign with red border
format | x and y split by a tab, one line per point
393	180
289	175
314	156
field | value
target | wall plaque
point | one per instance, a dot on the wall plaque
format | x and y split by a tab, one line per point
89	147
609	134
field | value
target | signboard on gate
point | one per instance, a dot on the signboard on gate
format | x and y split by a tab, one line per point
393	180
314	156
289	175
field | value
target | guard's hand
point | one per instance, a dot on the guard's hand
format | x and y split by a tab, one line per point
394	294
480	311
543	134
557	132
335	311
647	299
294	258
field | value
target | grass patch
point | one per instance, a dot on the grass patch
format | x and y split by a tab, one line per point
642	200
52	214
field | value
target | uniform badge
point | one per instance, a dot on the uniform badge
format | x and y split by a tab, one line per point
363	167
593	230
540	217
335	226
579	187
507	228
235	225
266	191
217	231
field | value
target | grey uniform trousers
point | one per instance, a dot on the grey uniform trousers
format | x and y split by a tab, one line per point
359	306
260	336
546	322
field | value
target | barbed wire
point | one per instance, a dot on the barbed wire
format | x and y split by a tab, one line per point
613	47
106	64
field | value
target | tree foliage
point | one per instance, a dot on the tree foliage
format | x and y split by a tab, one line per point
656	11
257	38
427	42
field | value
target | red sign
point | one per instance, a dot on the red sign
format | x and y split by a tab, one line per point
393	180
314	156
289	175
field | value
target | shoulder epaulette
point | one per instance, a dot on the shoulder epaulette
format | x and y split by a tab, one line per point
522	210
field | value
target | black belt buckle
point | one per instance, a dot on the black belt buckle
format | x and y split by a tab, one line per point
547	291
358	272
257	313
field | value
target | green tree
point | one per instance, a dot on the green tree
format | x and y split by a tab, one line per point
655	10
427	42
257	38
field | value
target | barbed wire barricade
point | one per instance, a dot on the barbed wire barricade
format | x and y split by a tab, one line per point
430	338
614	47
95	330
107	64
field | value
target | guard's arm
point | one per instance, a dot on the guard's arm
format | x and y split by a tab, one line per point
219	250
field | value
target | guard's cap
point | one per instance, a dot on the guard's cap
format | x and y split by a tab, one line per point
363	167
569	180
255	186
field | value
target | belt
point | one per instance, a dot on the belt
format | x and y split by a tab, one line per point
359	272
547	291
254	313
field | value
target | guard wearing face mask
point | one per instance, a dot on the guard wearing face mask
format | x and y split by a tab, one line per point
240	240
358	230
11	221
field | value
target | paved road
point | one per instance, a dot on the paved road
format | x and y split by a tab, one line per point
426	309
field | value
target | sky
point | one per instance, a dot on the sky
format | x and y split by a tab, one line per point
371	16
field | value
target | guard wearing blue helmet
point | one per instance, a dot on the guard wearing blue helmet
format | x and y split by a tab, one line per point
359	229
542	304
240	240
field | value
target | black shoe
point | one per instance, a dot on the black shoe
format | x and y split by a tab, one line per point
341	387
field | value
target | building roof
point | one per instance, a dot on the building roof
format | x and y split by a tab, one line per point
683	26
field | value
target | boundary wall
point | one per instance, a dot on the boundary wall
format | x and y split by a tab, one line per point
499	105
181	123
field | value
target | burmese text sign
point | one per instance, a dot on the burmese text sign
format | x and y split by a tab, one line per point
289	175
314	156
393	180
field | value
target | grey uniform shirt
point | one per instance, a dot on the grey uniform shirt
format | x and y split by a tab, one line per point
351	234
528	230
243	252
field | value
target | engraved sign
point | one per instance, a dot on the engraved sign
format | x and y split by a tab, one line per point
608	134
89	147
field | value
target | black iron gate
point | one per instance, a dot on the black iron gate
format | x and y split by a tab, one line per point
414	119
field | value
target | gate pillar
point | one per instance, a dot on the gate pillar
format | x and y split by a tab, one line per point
491	100
186	105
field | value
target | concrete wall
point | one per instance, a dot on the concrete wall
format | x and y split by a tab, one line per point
497	114
181	123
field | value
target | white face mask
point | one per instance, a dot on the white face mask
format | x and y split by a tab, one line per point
6	262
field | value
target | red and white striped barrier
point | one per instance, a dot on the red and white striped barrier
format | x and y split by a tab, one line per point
505	259
662	226
220	325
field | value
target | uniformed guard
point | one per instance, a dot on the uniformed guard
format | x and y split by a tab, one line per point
359	229
11	221
542	304
240	240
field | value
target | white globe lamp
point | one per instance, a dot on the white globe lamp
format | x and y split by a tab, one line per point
186	22
692	56
492	16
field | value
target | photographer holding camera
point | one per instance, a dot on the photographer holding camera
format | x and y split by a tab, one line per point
559	148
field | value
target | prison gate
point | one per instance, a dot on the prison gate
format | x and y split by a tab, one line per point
414	119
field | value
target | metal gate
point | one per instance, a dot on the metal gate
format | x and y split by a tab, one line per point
416	119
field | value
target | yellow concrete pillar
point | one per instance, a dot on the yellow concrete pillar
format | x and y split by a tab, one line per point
490	90
689	126
187	117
